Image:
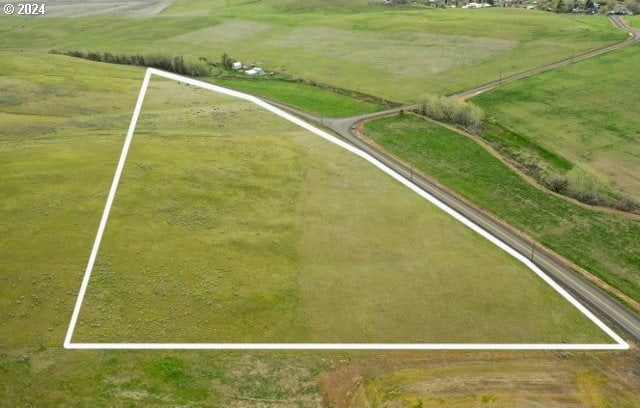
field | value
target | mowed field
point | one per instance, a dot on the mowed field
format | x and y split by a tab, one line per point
230	230
483	379
584	113
393	53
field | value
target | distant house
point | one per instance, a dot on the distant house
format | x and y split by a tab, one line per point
476	5
236	65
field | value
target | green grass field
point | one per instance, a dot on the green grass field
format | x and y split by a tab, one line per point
398	54
247	233
59	143
321	102
55	183
583	113
62	122
604	244
55	176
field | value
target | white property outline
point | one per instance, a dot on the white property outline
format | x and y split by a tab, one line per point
619	344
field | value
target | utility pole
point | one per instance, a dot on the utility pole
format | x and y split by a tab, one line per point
533	248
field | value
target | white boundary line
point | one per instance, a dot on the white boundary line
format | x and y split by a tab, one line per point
619	344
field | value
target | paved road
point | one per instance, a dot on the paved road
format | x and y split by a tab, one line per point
634	36
617	21
596	299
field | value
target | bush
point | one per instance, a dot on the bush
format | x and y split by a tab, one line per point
452	110
93	56
627	204
156	61
557	183
587	187
197	69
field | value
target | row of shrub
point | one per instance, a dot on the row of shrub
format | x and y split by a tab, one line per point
575	183
452	110
175	64
587	190
554	172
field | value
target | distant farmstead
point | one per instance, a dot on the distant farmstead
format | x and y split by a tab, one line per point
476	5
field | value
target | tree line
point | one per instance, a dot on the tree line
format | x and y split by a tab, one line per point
176	64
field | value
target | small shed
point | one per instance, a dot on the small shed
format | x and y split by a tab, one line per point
254	71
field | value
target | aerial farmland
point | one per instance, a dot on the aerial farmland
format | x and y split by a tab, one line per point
318	204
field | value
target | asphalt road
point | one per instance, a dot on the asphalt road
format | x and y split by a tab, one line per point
619	23
594	298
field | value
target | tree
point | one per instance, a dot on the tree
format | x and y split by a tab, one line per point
178	65
226	61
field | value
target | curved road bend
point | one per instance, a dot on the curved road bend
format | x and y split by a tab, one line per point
617	21
346	124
